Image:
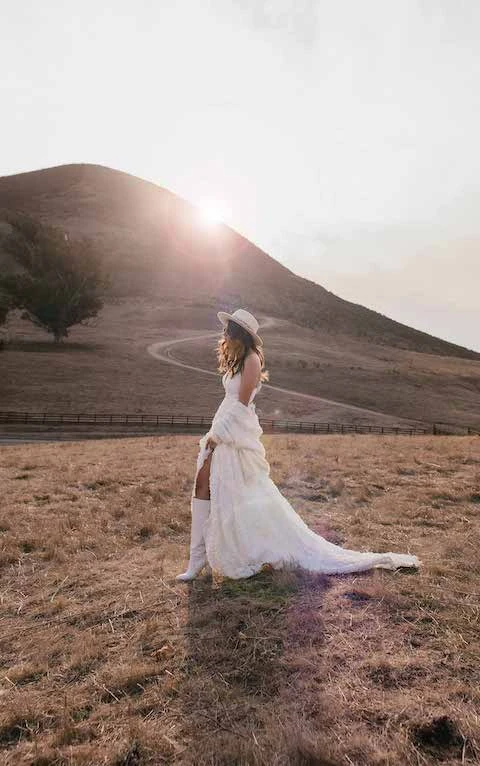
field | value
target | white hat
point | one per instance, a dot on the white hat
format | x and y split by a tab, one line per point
245	320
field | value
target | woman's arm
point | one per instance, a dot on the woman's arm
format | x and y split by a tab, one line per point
239	426
249	379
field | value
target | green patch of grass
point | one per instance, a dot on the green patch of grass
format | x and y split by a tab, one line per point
145	532
389	675
275	586
27	546
41	499
97	484
81	713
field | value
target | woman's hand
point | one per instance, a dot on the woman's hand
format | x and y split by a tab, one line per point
211	443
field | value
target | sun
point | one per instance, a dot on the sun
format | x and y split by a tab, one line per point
211	211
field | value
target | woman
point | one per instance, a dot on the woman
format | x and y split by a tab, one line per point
240	519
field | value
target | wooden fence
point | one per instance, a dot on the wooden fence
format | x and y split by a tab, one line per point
203	422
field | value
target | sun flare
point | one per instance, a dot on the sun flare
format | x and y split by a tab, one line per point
212	211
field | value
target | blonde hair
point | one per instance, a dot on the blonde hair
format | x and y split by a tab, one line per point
232	351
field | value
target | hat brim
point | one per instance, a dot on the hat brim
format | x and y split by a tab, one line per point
224	318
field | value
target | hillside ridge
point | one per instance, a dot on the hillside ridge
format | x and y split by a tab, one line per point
153	244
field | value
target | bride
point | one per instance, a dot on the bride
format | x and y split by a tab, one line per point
239	518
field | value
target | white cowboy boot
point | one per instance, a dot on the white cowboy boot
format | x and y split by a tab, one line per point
198	556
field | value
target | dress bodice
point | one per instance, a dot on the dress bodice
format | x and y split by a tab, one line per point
232	386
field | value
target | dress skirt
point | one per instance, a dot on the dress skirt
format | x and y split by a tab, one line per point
251	523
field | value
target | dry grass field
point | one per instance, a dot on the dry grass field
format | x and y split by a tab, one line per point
107	660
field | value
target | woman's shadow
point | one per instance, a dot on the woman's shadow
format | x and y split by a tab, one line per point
244	641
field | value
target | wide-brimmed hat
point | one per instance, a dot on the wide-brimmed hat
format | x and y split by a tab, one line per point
245	320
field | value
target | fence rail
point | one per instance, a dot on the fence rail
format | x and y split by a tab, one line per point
194	422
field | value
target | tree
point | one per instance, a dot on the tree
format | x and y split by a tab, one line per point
59	281
5	306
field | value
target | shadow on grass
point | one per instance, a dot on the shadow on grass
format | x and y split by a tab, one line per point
243	640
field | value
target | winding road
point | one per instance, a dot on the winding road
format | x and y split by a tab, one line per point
161	351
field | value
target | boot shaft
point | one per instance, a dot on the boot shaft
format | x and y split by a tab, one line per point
200	511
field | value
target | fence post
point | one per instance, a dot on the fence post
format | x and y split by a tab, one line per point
434	429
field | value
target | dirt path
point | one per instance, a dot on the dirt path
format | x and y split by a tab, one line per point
162	349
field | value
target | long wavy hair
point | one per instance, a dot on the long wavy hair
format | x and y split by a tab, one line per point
233	347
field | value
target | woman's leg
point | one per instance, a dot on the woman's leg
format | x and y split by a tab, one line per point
202	487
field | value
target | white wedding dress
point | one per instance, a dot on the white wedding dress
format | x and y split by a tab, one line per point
251	523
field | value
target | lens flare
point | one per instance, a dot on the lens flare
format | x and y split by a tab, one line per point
212	212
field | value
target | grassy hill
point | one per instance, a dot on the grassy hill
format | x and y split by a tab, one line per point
107	660
171	276
154	245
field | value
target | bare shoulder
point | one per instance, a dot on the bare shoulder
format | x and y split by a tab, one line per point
253	361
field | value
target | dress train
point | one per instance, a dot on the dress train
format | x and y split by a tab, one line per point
250	522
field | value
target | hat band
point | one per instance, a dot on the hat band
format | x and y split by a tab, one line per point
244	325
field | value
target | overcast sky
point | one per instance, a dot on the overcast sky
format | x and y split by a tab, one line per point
341	137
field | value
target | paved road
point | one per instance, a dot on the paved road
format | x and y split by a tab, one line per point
162	349
32	438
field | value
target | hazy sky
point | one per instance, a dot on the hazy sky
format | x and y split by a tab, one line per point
341	137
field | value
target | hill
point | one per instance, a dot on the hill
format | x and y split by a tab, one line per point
170	277
155	246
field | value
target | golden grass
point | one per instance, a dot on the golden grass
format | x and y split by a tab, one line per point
107	660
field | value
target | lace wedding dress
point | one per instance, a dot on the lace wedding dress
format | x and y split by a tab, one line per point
251	523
